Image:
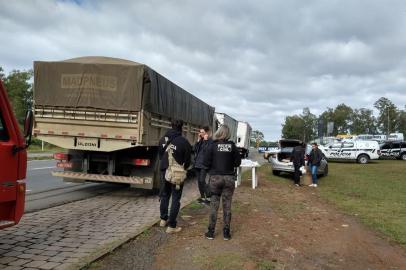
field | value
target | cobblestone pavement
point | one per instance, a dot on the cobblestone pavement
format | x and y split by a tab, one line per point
72	235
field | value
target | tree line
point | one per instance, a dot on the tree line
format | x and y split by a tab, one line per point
19	90
346	120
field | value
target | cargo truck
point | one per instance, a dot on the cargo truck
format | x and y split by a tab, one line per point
244	131
109	115
224	119
13	162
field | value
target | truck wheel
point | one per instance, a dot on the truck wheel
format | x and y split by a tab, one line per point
403	156
363	159
277	173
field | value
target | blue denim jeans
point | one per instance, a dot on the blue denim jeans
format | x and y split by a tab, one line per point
314	173
167	191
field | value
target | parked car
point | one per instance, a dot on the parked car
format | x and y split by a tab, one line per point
280	159
394	150
262	149
358	150
396	137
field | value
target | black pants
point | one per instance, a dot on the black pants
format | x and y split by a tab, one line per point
167	191
221	186
296	174
201	181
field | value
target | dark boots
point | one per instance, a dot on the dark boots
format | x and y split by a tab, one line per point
210	234
226	234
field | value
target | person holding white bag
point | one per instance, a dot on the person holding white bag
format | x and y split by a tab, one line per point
175	156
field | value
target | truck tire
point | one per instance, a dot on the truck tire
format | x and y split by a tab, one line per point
276	173
363	159
403	156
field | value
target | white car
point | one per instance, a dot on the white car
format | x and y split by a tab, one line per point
280	158
360	151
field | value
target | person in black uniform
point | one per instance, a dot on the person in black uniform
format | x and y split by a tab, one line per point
221	159
182	154
298	161
204	142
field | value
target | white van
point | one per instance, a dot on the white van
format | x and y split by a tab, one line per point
396	137
360	151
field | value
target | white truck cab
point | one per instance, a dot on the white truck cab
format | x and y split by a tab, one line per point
243	138
358	150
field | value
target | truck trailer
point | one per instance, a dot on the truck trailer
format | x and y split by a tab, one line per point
244	131
224	119
109	115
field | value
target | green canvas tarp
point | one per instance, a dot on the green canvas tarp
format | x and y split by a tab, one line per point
104	83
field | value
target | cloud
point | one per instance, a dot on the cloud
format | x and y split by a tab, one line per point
258	61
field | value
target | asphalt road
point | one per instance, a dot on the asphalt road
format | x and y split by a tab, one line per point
39	176
44	190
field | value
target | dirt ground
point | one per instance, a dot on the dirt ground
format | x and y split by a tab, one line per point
276	226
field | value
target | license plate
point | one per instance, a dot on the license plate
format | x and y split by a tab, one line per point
67	165
87	143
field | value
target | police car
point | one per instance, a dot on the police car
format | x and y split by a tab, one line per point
358	150
394	150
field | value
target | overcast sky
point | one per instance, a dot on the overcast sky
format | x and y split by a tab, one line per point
257	61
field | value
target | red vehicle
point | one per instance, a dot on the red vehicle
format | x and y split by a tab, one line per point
13	162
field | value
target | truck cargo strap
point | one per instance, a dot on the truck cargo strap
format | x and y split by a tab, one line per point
104	178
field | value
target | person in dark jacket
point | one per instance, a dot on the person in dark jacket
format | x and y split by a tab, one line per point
315	158
221	159
298	161
182	154
200	148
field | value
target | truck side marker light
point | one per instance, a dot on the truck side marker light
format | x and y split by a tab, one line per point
141	162
61	156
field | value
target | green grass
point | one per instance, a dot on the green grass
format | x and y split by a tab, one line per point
265	265
195	206
47	149
223	261
374	192
231	261
146	233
